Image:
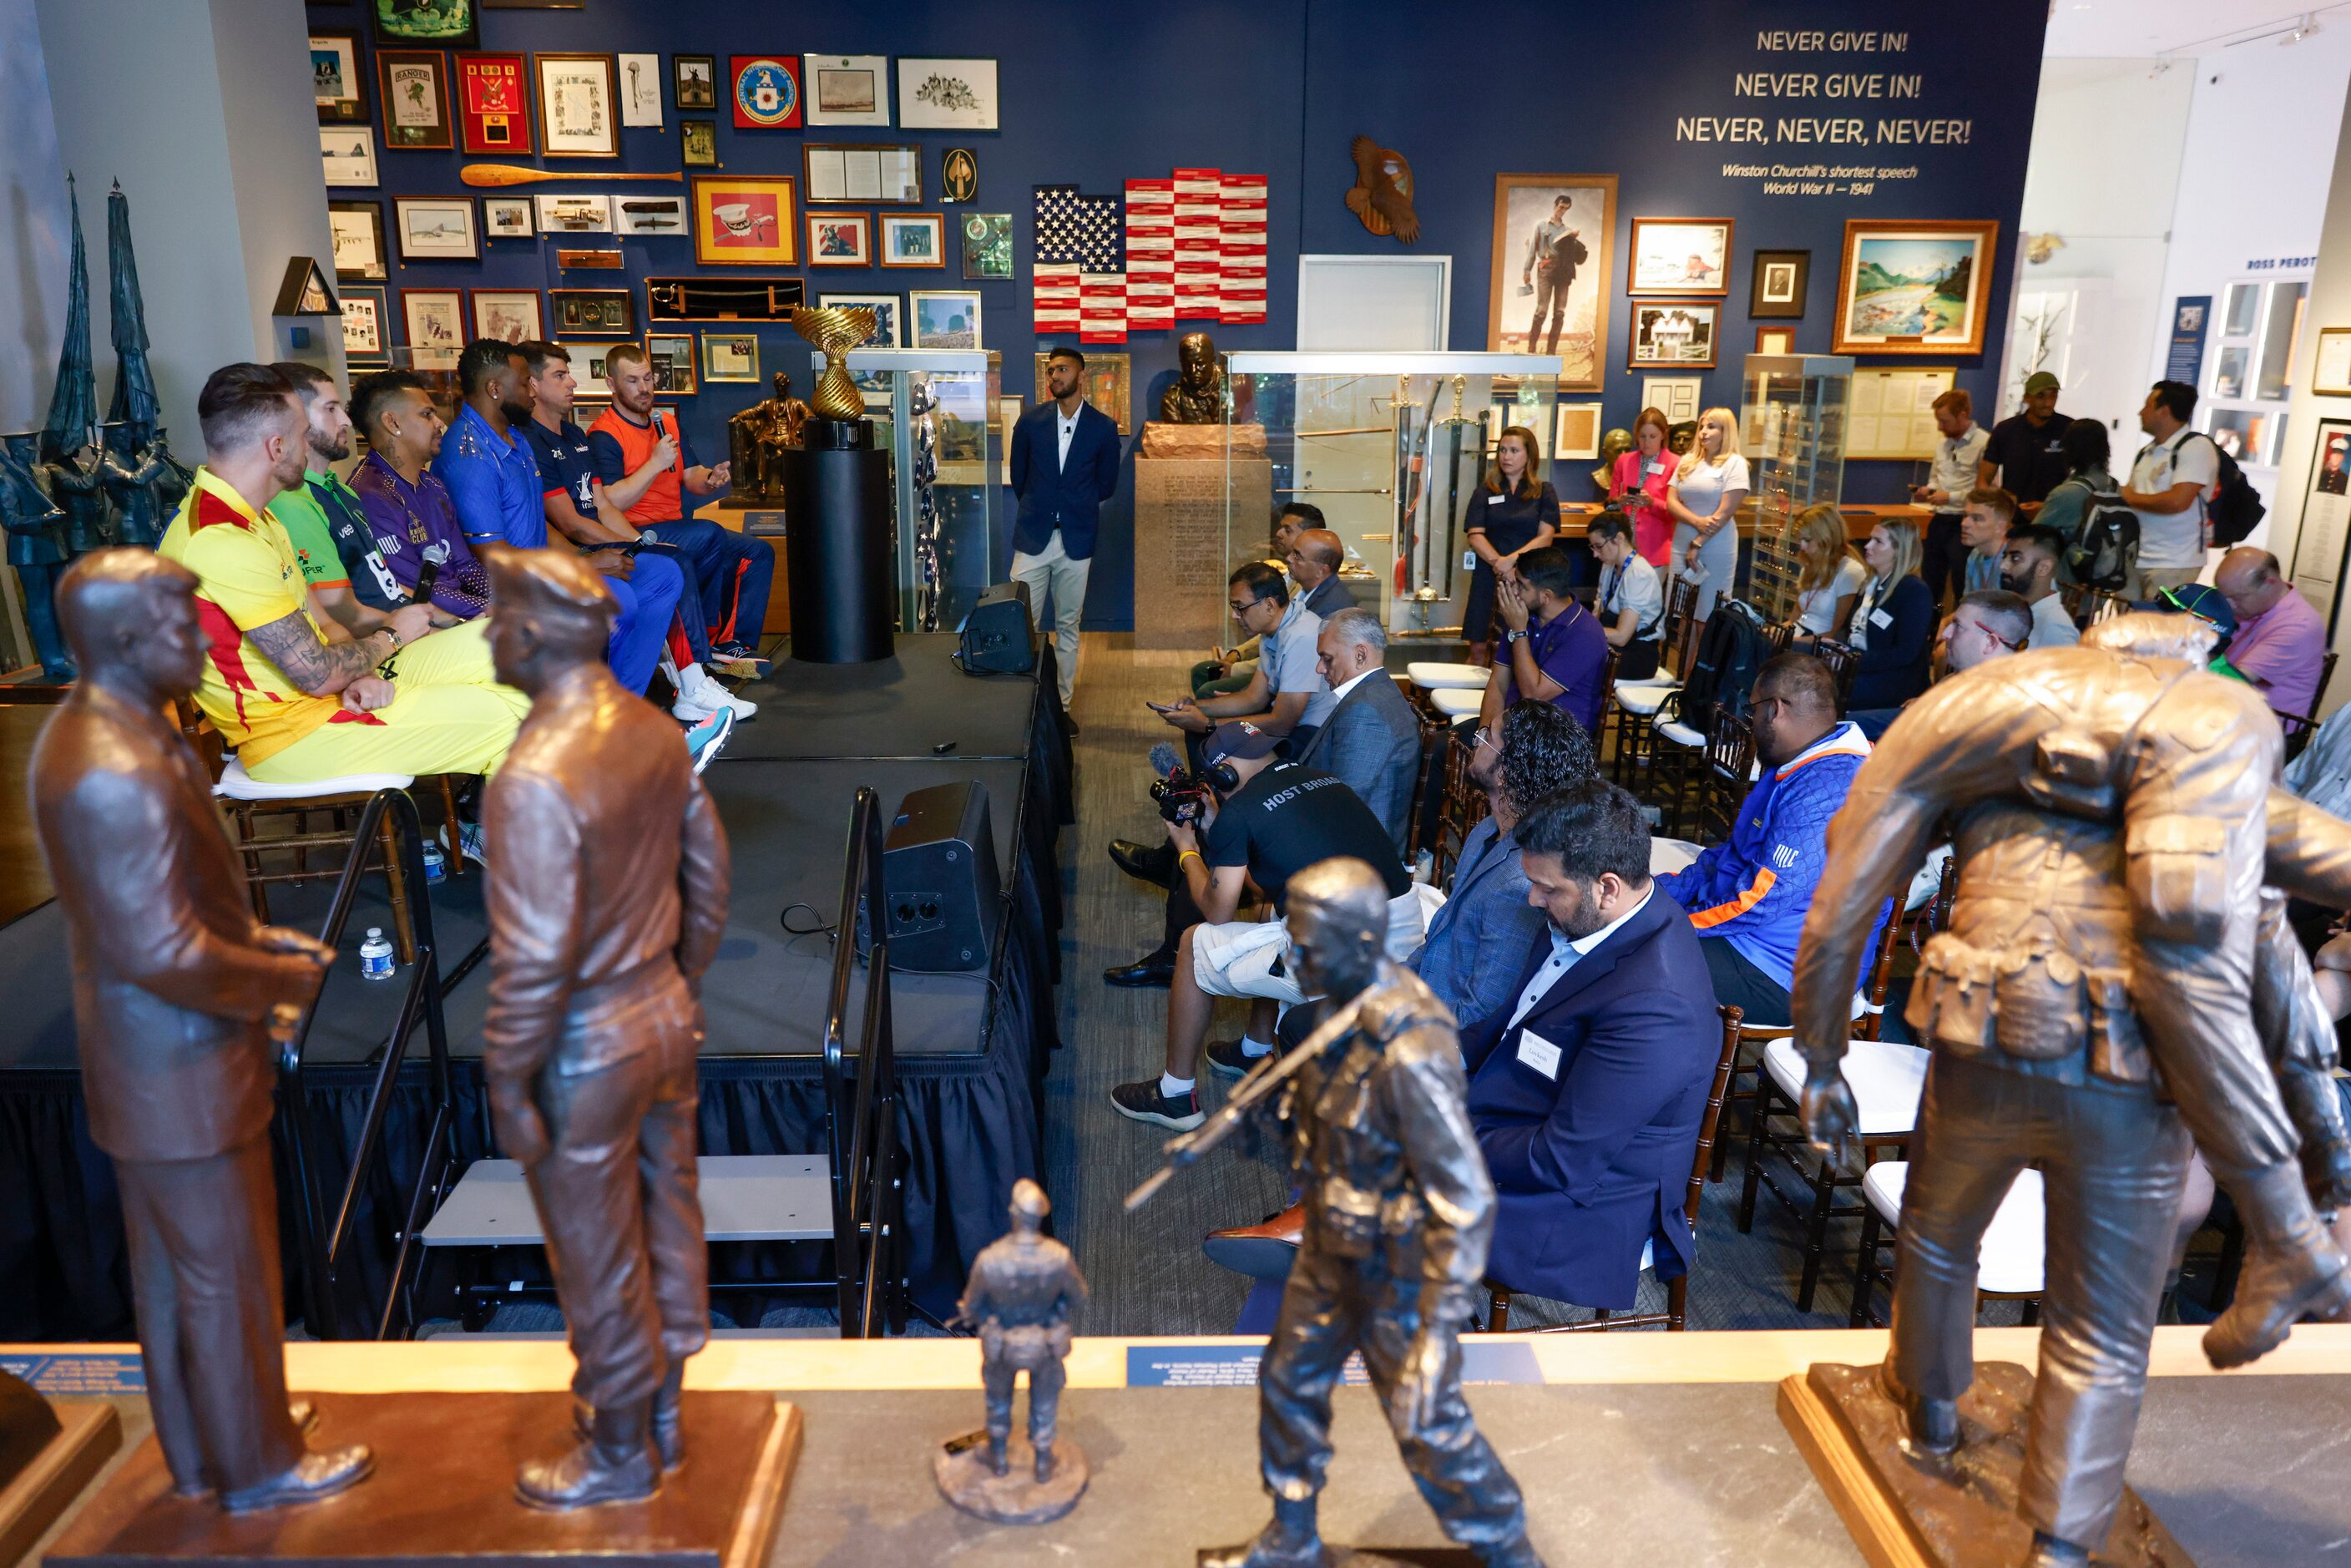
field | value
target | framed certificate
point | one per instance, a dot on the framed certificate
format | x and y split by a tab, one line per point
856	172
492	103
579	108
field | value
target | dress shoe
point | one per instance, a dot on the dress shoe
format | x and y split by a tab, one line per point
616	1464
1154	864
1151	969
1928	1425
318	1474
1259	1251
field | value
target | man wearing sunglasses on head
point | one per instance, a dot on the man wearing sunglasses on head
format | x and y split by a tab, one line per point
1984	626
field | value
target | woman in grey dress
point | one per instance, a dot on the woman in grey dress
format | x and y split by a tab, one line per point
1704	497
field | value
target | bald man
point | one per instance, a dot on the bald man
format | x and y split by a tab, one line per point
1314	557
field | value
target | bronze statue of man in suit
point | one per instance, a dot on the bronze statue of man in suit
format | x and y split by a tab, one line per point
175	984
607	895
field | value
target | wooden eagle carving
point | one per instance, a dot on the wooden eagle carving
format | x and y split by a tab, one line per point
1383	193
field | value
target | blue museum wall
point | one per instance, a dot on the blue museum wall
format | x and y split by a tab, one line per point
1096	95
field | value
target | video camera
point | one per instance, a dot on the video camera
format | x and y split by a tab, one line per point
1180	795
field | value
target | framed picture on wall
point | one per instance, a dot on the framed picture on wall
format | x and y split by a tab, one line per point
698	143
589	378
2317	568
1913	287
436	228
1674	332
1777	282
846	89
1577	434
579	114
766	91
987	246
641	89
348	155
360	251
494	103
840	239
2330	367
336	80
1680	255
858	171
694	82
1676	397
1775	339
574	214
1106	385
1548	291
593	312
509	315
914	239
643	214
672	359
452	23
731	356
746	220
434	322
507	217
949	319
415	86
946	94
367	336
887	333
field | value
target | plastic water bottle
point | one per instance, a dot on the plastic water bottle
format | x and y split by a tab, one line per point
436	864
375	955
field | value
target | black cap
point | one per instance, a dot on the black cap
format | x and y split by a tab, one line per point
1238	739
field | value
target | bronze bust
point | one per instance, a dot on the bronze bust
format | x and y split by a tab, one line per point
1198	395
757	438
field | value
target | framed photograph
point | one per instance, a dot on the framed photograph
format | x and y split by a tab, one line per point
694	82
1674	332
1913	287
746	220
1576	436
2330	370
842	172
698	140
987	246
1775	339
367	336
415	86
840	239
360	250
641	89
731	356
673	362
846	89
577	116
452	23
767	92
494	104
946	94
945	319
1777	283
434	322
1680	255
593	312
335	79
507	217
886	328
914	239
1106	385
348	154
1548	291
509	315
574	214
1008	414
959	176
589	373
436	228
1676	397
636	215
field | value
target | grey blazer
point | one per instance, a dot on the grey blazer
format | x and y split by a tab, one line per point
1372	740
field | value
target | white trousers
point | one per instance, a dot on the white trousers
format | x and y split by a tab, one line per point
1067	578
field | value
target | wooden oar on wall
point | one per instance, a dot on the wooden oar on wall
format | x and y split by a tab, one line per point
517	174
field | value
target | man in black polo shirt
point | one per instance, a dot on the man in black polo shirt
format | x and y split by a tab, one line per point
1272	819
2025	455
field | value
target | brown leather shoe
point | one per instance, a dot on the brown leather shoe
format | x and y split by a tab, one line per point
1260	1251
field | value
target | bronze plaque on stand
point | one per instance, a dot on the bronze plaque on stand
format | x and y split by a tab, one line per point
1180	557
444	1491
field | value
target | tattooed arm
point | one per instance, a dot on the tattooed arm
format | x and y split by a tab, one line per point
321	669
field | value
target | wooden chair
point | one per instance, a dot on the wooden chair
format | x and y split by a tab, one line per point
1843	659
2300	727
1676	1290
2009	1259
1635	703
2098	604
1722	782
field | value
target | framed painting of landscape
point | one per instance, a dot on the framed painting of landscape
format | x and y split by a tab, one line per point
1913	287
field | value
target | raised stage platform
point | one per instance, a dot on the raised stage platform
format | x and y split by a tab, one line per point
972	1049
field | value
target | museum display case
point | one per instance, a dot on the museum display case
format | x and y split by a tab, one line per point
1793	418
1392	446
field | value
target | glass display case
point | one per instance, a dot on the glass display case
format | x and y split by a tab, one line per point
1795	438
935	411
1392	447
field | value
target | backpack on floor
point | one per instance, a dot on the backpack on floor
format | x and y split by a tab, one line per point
2105	552
1730	649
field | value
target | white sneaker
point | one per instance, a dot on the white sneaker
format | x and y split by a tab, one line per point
699	696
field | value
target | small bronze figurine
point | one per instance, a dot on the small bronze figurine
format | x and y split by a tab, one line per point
143	482
177	989
37	548
1198	395
1613	445
607	899
1022	1290
76	485
757	438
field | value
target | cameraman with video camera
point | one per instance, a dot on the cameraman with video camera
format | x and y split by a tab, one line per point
1263	821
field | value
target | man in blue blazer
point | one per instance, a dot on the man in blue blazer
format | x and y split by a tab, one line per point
1064	466
1587	1090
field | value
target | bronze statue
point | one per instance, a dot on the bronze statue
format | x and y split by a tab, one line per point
1382	196
143	482
75	484
1022	1290
607	899
1198	395
757	438
177	989
38	549
1399	1215
1613	445
2116	816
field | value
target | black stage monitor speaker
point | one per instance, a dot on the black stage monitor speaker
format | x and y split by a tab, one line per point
940	878
1000	636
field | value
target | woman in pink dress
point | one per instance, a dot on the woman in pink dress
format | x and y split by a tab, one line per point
1638	488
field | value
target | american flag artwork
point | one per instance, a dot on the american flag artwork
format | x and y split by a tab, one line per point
1190	248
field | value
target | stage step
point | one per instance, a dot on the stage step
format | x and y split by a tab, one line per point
744	1197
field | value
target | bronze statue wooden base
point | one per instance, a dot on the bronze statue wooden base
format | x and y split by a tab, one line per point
90	1432
444	1491
1909	1512
1016	1496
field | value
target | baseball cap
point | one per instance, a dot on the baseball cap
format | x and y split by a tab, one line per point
2205	602
2039	381
1238	738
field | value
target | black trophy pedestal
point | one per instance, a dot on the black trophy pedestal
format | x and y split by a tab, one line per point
837	550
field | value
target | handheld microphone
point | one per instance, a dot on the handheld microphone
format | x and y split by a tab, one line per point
428	571
1165	759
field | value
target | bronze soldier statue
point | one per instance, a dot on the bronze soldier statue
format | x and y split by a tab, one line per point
757	438
607	899
1198	395
37	548
76	485
143	482
176	986
2116	816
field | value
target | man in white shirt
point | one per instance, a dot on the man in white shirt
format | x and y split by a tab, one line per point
1632	600
2028	568
2169	484
1958	458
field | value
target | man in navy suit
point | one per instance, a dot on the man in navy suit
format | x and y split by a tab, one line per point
1064	466
1587	1090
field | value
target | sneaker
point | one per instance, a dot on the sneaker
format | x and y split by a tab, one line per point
699	696
1226	1058
752	665
705	740
469	841
1143	1102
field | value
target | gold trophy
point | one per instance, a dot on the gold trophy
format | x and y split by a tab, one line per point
835	331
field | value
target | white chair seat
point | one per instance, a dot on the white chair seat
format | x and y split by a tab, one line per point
1431	675
1455	702
1929	881
1887	1080
1641	697
236	784
1675	732
2009	1258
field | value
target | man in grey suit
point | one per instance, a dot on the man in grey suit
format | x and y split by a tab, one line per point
1371	738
